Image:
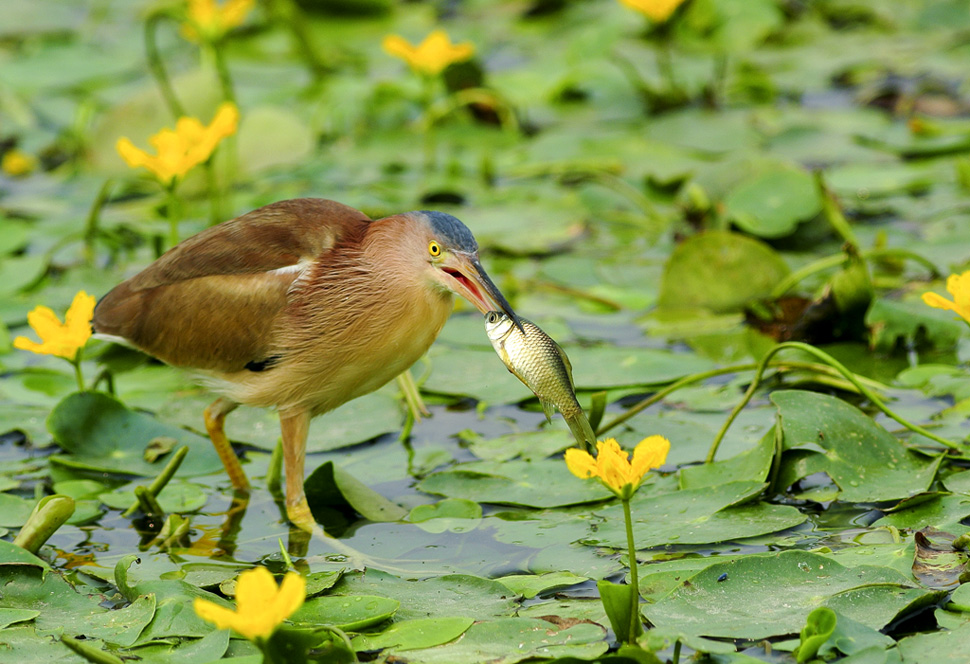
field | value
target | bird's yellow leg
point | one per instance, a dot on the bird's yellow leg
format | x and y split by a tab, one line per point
215	417
295	424
412	395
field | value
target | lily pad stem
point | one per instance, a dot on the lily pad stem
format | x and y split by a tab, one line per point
830	262
635	624
78	375
157	67
660	395
163	478
838	366
94	216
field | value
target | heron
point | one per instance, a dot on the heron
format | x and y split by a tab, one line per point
299	306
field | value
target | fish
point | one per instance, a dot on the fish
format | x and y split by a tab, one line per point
541	364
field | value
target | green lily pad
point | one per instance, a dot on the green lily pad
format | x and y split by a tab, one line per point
487	641
788	586
63	610
101	434
347	612
694	275
530	585
10	616
545	483
414	634
14	510
330	485
695	516
449	595
943	647
451	514
772	203
177	497
863	459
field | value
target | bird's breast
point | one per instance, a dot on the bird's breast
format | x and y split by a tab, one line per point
347	344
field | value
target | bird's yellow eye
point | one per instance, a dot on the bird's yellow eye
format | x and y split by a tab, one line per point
434	248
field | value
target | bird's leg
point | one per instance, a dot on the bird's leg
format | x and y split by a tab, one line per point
412	396
215	417
295	424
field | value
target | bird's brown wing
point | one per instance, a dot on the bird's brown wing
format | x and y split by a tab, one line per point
212	301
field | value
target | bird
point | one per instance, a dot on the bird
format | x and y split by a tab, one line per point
301	306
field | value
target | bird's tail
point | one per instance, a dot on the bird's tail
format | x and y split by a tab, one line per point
582	431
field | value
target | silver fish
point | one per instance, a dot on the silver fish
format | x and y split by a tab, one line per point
538	361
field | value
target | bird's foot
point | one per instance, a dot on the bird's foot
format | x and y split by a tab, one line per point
299	514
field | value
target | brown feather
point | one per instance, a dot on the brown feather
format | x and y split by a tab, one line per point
213	301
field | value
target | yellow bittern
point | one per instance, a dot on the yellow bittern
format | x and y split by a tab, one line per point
301	305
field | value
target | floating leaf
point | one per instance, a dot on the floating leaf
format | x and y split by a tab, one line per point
414	634
863	459
771	204
101	434
788	585
694	277
347	612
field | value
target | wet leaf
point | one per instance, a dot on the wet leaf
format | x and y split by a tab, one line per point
414	634
100	433
346	612
821	433
789	585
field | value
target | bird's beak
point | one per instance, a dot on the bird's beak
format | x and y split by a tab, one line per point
469	279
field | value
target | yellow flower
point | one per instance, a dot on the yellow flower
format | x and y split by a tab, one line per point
61	339
655	10
957	285
261	605
180	150
207	20
613	468
17	163
430	56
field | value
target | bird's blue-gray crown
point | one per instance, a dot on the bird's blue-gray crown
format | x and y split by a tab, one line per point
451	230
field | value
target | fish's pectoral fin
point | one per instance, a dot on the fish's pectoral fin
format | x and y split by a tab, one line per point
548	408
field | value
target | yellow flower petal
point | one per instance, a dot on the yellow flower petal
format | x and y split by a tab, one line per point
613	467
17	163
207	20
261	605
958	285
580	463
656	10
432	55
61	339
650	453
178	151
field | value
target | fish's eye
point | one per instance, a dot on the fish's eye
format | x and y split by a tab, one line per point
491	317
434	248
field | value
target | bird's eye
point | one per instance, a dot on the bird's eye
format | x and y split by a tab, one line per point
434	248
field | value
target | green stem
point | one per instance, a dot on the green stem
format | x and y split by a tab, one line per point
78	375
157	67
222	71
660	395
635	625
94	216
163	478
833	213
835	364
836	260
676	658
173	210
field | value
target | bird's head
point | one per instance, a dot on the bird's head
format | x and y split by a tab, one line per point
450	254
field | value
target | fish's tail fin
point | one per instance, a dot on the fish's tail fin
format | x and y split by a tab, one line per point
582	431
